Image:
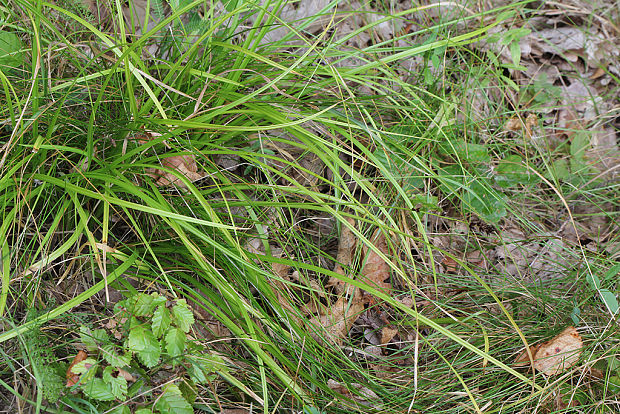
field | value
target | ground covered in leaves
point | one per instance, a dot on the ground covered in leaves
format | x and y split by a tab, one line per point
317	207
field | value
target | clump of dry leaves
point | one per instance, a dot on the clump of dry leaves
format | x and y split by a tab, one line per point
338	318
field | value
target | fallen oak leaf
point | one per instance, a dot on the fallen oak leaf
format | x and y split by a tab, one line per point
556	355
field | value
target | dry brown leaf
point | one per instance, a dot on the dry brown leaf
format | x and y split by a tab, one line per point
450	264
346	247
556	355
476	258
362	395
341	316
531	122
517	124
597	73
595	373
376	270
523	359
387	334
604	154
560	353
73	378
128	377
524	259
185	164
514	124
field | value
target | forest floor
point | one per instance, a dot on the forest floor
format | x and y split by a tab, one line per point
310	207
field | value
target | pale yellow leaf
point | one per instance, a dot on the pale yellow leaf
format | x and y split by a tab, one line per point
556	355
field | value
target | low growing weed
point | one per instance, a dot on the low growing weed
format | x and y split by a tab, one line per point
145	342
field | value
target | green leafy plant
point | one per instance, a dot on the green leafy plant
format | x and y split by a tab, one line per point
614	378
155	332
511	172
511	38
467	178
44	363
10	50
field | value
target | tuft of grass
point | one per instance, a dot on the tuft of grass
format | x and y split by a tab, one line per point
291	137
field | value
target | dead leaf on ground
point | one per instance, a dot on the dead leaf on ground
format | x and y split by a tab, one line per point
339	317
346	247
514	124
450	265
376	270
362	395
73	378
336	319
128	377
556	355
387	334
604	154
184	164
525	259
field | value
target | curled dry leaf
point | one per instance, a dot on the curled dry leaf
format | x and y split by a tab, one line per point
73	378
556	355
